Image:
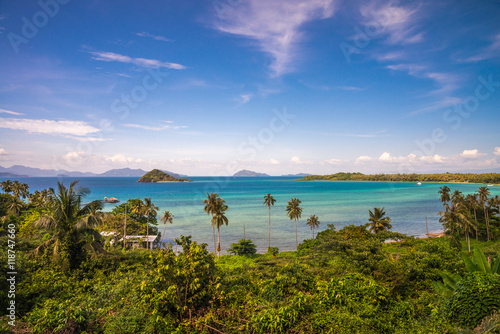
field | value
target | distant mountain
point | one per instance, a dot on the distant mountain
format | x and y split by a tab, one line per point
23	171
7	174
246	172
123	172
299	174
38	172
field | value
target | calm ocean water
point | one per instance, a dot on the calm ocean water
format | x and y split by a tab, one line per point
339	203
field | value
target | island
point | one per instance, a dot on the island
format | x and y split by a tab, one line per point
157	175
246	172
491	178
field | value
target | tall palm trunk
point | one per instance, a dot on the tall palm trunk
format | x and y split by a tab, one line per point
218	242
147	233
213	230
296	237
313	232
269	243
487	221
475	220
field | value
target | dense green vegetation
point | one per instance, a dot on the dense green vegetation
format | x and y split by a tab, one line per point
445	177
347	281
157	175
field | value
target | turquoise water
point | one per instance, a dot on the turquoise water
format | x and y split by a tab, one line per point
340	203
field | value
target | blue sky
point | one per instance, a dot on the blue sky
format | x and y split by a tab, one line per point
212	87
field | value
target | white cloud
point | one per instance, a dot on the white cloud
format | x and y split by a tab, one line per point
155	37
167	126
275	25
496	151
70	129
471	154
335	161
397	22
3	111
298	161
362	159
3	151
120	158
143	62
274	162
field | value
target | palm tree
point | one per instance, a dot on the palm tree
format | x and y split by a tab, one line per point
457	197
313	222
378	222
219	218
210	204
465	222
167	218
483	193
68	220
269	200
149	210
445	194
6	186
294	211
19	189
471	200
16	205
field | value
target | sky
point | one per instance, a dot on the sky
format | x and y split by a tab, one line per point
212	87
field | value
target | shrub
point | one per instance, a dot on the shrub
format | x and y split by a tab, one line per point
242	247
476	296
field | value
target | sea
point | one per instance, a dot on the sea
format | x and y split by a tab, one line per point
336	203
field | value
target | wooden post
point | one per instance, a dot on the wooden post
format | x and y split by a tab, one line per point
125	229
426	227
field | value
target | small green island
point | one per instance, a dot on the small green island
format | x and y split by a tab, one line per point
157	175
491	178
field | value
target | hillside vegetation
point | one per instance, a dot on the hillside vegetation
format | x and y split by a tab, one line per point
157	175
445	177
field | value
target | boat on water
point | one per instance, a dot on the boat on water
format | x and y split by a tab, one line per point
490	185
419	184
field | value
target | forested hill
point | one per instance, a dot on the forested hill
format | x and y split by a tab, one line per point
445	177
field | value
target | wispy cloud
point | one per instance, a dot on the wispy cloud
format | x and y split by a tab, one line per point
445	82
69	129
492	51
3	151
155	37
143	62
381	133
244	99
166	126
398	22
443	103
3	111
275	25
298	161
496	151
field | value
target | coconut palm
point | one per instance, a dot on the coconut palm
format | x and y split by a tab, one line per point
6	186
73	231
16	205
465	223
210	204
219	219
471	200
19	189
167	218
149	210
484	193
457	197
378	222
294	212
313	222
445	194
269	201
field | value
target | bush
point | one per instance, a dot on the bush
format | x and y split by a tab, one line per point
242	247
476	296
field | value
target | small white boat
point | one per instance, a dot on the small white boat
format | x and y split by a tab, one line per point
490	185
419	184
